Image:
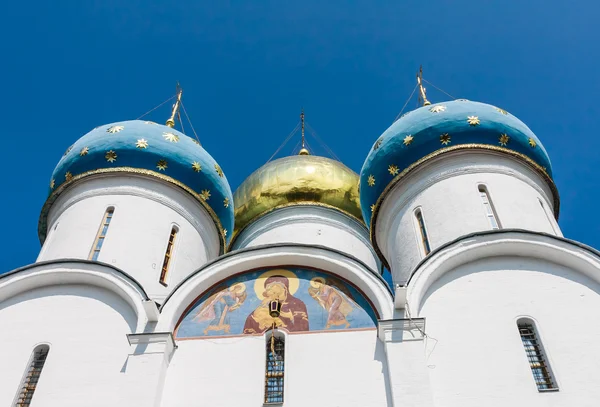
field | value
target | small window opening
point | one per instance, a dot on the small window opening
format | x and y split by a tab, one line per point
423	231
489	207
538	363
550	218
32	376
168	254
274	373
108	215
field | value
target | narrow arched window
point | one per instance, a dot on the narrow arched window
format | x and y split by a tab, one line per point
168	254
538	362
102	230
32	376
488	207
274	372
422	231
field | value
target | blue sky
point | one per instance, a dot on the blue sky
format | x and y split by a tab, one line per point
248	67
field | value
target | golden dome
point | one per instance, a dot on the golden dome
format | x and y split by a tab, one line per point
296	180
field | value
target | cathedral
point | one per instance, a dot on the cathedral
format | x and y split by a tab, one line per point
437	277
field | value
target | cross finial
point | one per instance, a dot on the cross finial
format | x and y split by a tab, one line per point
422	93
303	150
171	121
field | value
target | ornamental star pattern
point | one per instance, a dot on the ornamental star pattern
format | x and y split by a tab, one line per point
371	180
150	122
173	138
437	109
68	150
52	183
219	170
503	140
372	208
205	194
114	129
68	176
111	156
196	141
445	139
226	202
161	165
532	142
408	140
504	112
473	120
196	166
224	232
141	143
377	144
393	169
84	151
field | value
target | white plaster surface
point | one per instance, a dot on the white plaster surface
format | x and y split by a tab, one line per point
145	210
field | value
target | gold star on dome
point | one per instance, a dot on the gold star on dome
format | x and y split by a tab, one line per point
373	208
532	142
473	120
445	139
224	232
219	170
150	122
378	143
226	202
205	194
371	180
503	140
52	183
141	143
393	169
196	141
114	129
68	150
437	108
408	140
161	165
68	176
504	112
196	166
111	156
84	151
173	138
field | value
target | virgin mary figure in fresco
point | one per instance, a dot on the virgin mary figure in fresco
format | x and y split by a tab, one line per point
334	299
217	307
293	317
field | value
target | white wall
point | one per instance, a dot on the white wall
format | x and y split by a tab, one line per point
475	354
306	224
86	329
145	210
327	369
446	191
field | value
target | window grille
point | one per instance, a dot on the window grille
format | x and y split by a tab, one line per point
535	355
32	376
108	215
274	373
489	207
165	268
423	231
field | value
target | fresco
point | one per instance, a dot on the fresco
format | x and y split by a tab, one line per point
311	301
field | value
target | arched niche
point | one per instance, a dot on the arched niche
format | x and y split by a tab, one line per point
312	300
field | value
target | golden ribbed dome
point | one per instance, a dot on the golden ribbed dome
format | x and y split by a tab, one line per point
296	180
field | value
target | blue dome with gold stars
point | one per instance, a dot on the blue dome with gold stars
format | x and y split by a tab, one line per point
147	148
435	129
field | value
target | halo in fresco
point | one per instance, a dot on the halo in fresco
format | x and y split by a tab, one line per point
311	301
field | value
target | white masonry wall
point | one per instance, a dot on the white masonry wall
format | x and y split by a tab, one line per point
145	210
312	225
446	192
321	370
86	329
474	352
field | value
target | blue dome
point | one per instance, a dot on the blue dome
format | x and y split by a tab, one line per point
151	149
431	130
